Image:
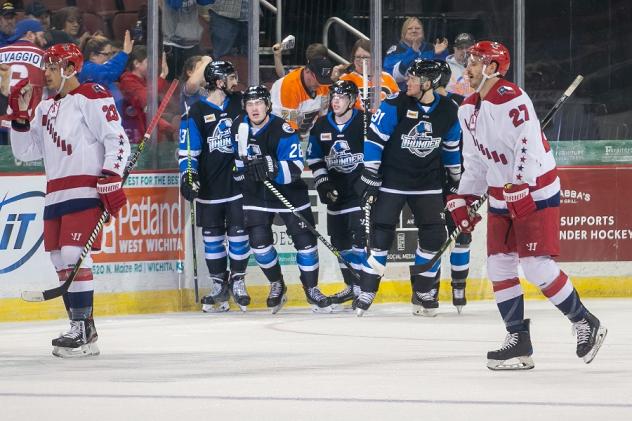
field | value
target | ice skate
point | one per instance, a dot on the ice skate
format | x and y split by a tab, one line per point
343	296
514	354
458	295
363	302
79	341
217	300
239	292
590	335
319	301
425	303
277	296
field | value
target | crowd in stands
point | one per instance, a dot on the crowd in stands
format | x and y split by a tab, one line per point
190	33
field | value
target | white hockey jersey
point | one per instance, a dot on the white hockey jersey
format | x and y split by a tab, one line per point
78	136
503	143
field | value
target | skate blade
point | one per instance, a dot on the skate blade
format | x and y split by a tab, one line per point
276	308
339	308
323	310
243	308
360	312
222	307
425	312
601	335
459	309
87	350
518	363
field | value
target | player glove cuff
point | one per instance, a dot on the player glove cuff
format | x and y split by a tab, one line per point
462	215
519	200
110	190
190	187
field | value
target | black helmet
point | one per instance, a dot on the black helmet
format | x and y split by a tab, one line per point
344	87
256	92
429	69
217	70
446	73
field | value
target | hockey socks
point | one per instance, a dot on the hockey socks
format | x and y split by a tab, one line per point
562	294
510	302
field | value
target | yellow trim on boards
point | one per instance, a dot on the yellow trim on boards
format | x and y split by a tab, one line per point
139	302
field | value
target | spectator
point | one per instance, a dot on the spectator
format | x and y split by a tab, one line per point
301	96
192	79
37	10
182	32
411	46
360	52
229	27
104	67
133	85
7	22
23	60
55	36
69	20
457	61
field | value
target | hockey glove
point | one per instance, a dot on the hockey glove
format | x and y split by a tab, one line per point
110	189
190	190
262	168
519	200
21	100
463	217
368	186
454	177
326	191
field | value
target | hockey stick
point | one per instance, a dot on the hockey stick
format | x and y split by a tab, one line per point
49	294
242	144
192	216
415	269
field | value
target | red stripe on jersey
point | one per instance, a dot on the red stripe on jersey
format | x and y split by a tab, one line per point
506	284
542	181
556	285
71	182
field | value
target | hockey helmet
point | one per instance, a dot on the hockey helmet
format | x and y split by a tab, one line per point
492	51
255	92
64	54
446	72
344	87
218	70
428	69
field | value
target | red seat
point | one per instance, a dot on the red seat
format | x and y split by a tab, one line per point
133	5
93	23
121	22
53	5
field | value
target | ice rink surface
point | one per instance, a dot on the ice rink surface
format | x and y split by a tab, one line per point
388	365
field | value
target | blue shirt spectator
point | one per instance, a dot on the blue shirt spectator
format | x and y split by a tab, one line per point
104	68
411	46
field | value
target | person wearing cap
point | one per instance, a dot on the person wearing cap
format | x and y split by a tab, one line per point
412	46
302	95
37	10
457	61
23	58
7	22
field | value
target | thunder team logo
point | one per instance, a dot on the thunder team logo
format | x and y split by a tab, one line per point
341	159
419	140
220	139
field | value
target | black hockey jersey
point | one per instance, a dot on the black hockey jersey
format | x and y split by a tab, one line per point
278	140
337	153
206	134
411	144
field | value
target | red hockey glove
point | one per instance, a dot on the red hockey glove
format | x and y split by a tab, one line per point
519	200
110	189
20	102
459	207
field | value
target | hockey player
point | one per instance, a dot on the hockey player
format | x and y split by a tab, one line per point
413	138
460	254
206	151
78	133
334	155
274	155
506	154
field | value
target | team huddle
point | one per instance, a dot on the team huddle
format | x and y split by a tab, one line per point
440	154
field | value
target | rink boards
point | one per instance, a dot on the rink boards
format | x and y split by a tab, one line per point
145	262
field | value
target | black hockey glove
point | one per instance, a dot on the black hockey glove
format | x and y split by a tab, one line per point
262	168
190	190
326	191
368	186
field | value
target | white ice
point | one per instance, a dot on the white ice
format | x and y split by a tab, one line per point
388	365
